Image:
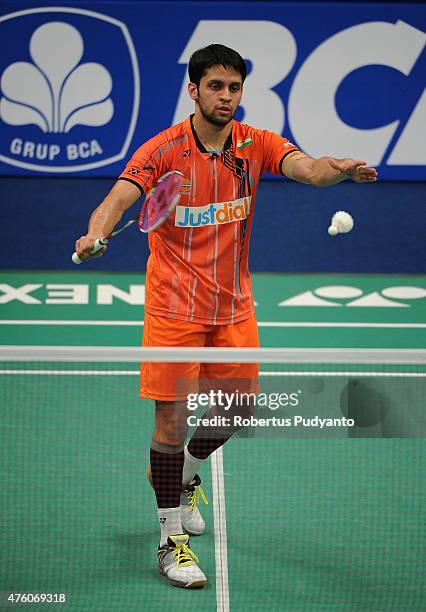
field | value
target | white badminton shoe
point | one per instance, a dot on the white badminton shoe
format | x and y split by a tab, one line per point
192	521
179	564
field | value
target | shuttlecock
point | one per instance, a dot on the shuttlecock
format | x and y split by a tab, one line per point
341	223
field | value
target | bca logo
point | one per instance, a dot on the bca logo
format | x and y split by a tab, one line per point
69	90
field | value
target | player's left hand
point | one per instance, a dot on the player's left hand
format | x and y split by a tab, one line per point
355	169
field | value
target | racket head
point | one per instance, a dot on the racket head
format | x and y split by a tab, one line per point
161	201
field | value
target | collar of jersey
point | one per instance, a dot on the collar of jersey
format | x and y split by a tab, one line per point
201	147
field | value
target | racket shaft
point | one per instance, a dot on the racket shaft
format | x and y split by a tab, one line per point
100	242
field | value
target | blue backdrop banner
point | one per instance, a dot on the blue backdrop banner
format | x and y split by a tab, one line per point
84	84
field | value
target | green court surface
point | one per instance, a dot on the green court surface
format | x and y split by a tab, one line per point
293	523
293	310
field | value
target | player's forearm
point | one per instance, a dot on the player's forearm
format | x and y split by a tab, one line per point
104	218
323	174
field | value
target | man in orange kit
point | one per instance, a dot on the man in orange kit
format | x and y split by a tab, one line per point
198	288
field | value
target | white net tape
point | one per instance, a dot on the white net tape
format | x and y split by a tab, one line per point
212	355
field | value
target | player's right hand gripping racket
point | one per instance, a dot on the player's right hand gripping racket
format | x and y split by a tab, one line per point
157	206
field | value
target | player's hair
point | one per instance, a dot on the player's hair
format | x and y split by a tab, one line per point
214	55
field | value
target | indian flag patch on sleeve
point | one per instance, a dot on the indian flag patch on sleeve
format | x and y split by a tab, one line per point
244	143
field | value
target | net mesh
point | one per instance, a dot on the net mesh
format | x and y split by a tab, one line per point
307	515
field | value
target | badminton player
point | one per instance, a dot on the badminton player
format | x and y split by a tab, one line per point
198	289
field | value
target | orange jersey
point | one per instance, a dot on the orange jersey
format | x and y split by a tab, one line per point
198	267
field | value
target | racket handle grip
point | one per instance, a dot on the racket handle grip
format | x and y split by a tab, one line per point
100	242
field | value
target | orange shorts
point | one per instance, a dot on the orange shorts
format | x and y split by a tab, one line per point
173	381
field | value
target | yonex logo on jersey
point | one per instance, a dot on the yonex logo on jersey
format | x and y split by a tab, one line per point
60	110
216	213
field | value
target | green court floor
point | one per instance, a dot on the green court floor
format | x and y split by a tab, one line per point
90	308
297	524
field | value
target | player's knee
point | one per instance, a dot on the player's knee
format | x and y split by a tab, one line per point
168	436
169	431
171	426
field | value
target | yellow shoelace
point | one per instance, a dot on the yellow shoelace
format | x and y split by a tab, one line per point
193	497
184	555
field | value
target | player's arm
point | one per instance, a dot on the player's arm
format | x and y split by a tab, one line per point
106	216
326	170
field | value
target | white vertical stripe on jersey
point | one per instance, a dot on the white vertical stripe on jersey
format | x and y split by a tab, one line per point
236	225
191	178
216	244
193	299
189	243
194	187
191	273
183	245
192	196
188	294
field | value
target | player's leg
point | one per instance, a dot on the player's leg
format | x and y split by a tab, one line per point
176	560
166	463
229	378
161	382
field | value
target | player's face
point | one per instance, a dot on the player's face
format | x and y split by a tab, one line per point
219	94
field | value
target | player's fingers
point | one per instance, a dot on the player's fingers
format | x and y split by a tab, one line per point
84	247
83	255
100	252
356	167
365	178
368	173
348	166
337	165
363	174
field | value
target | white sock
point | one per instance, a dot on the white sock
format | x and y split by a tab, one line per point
190	466
169	522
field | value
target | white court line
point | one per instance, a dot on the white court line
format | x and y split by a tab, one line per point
220	541
69	322
325	324
75	372
339	324
264	373
327	373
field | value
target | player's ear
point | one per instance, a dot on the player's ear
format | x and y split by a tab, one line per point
193	90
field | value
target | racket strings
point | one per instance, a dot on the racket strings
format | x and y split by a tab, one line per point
160	202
